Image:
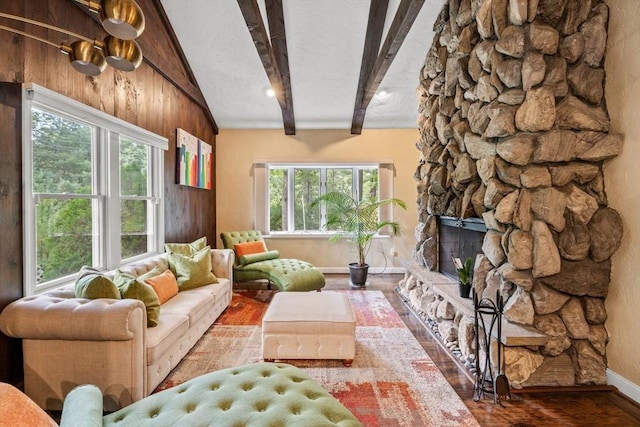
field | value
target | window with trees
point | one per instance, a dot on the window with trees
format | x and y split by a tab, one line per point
292	188
93	190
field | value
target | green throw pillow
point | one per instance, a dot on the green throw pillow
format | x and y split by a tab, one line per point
92	285
192	271
187	249
133	288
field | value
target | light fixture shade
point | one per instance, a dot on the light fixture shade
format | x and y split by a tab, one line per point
86	57
121	18
124	55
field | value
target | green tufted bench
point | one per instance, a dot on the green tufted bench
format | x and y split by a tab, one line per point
254	395
287	274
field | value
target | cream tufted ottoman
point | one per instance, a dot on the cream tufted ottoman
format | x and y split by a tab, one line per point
309	325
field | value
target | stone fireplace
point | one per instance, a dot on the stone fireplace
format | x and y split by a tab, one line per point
514	131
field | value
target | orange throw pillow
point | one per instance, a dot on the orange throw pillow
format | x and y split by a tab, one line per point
165	285
247	248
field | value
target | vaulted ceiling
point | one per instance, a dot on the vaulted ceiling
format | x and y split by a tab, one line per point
334	64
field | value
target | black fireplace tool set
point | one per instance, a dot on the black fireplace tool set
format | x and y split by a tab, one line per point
488	318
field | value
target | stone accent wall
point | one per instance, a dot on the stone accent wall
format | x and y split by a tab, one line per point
515	130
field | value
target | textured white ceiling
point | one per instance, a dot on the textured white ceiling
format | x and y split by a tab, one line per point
325	41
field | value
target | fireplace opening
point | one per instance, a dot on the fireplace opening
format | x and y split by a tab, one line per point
460	238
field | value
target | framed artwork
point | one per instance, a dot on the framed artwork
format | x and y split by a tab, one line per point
195	161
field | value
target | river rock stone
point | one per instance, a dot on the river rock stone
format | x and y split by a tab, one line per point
551	11
537	112
466	336
595	310
543	38
486	168
587	82
576	12
577	172
572	113
445	311
571	47
465	169
520	249
556	76
427	254
606	233
508	173
500	16
479	117
485	91
492	247
552	326
535	176
495	191
491	222
484	19
595	36
572	315
546	258
511	97
520	278
511	42
554	372
516	149
547	300
579	278
481	269
591	366
518	11
510	72
548	204
502	122
519	308
599	337
581	205
533	70
555	146
477	147
520	364
596	146
523	216
484	51
574	242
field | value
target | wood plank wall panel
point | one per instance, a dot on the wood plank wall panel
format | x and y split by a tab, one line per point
142	97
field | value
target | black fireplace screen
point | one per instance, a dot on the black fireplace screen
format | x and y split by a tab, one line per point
460	238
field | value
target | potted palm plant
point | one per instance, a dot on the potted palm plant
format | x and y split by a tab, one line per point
357	221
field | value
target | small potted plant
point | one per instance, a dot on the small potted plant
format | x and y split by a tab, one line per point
465	273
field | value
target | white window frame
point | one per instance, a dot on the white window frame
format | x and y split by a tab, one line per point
261	191
106	194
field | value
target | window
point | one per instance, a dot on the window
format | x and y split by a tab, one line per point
93	190
285	192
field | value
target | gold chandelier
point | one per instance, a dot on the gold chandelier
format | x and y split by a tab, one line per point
122	19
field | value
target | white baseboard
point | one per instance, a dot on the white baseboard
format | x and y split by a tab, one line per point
624	386
372	270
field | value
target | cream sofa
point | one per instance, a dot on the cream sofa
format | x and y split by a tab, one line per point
70	341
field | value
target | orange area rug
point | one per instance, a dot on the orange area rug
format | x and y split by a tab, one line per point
392	381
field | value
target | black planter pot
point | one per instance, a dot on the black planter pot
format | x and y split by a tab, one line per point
464	290
358	274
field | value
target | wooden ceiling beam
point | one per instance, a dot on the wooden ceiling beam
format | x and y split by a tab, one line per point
375	25
270	61
403	20
275	17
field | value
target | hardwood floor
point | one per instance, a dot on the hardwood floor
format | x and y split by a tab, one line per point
599	406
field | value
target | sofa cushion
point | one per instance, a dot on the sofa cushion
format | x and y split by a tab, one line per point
90	284
257	257
246	248
133	288
165	285
192	271
187	248
191	303
168	334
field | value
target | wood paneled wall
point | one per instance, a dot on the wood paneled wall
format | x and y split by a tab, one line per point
143	97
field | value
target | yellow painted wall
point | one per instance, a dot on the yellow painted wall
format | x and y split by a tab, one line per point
236	151
622	67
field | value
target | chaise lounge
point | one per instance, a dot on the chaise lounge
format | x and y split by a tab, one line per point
254	262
